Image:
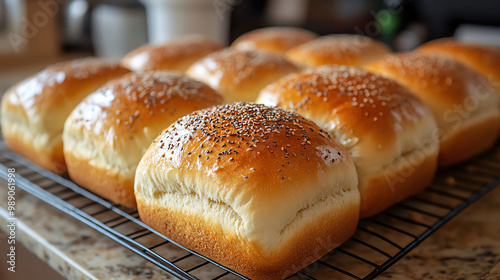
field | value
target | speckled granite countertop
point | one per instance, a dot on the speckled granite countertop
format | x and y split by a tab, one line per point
466	248
71	247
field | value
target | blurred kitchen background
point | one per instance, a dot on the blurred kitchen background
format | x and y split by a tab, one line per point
35	33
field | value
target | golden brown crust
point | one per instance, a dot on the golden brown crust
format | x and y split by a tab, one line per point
352	98
278	153
429	76
137	100
350	50
483	59
378	121
258	189
53	161
175	55
205	237
274	39
101	181
390	188
457	95
487	129
58	85
240	75
34	111
107	133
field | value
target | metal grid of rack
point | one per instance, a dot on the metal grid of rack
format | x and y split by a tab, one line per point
378	243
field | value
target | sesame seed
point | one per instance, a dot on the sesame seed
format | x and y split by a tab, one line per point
229	124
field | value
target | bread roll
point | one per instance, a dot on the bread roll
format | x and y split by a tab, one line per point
175	55
34	110
260	190
386	129
483	59
108	132
464	104
240	75
273	39
351	50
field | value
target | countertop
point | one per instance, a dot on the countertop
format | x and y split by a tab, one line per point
468	247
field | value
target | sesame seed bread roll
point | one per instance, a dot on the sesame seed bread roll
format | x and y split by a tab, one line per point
175	55
240	75
484	59
34	110
273	39
386	129
107	134
464	104
260	190
343	49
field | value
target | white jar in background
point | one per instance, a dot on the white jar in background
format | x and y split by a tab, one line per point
172	18
116	30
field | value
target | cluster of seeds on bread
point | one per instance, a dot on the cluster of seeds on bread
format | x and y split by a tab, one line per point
486	56
155	89
148	93
340	47
288	36
281	33
83	68
434	70
189	45
243	65
360	88
225	131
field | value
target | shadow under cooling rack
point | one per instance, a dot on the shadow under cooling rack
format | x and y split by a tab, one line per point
378	243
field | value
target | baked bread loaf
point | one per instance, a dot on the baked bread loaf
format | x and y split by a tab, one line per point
464	104
175	55
273	39
386	129
260	190
350	50
34	110
240	75
484	59
109	131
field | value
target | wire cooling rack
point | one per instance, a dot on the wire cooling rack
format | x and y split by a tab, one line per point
378	243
